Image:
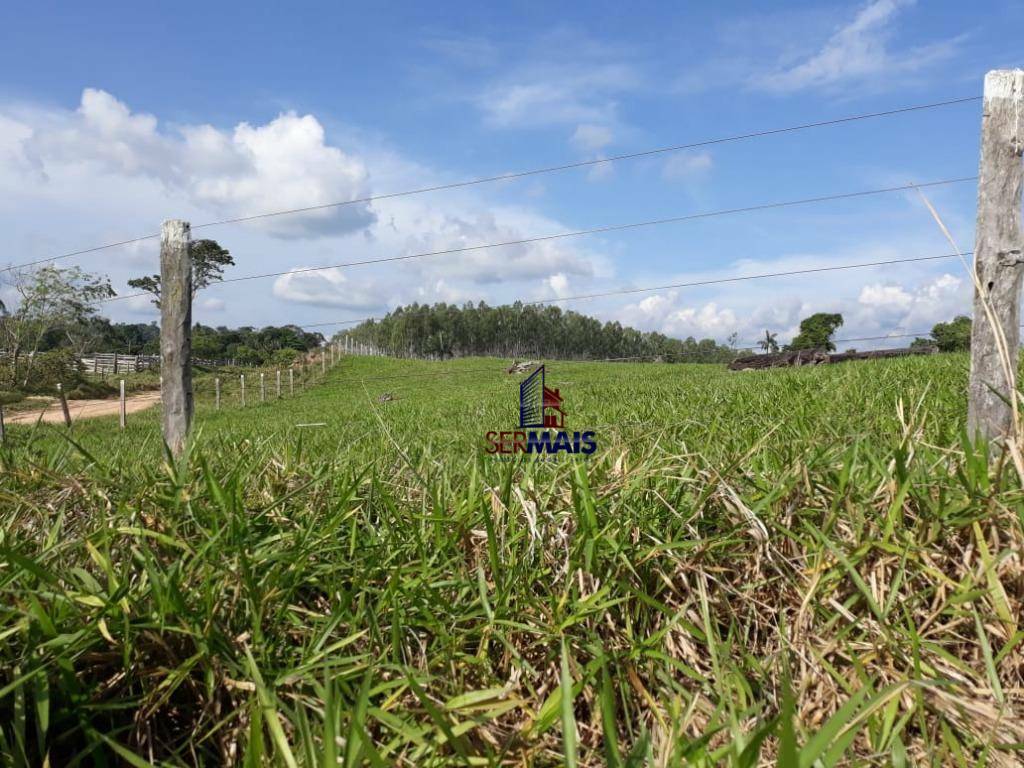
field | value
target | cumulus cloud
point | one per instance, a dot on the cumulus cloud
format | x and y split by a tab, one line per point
886	297
420	229
249	170
134	168
328	288
856	51
921	306
559	284
662	311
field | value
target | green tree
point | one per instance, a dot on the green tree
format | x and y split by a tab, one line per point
52	303
208	263
768	343
954	336
816	332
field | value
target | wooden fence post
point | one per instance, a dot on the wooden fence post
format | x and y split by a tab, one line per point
291	382
123	410
323	361
278	383
998	260
176	332
216	393
263	388
242	388
64	405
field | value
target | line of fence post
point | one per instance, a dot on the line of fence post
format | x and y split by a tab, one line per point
998	260
123	409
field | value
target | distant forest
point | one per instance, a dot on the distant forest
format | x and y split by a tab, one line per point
246	345
522	330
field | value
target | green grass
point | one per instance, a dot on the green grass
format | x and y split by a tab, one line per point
755	568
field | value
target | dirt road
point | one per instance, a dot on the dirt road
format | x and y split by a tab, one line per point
85	409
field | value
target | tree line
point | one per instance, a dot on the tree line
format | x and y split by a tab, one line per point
817	330
522	330
56	319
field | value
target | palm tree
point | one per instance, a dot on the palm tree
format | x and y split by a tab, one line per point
768	343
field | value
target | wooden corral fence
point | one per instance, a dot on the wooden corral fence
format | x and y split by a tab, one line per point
114	362
800	357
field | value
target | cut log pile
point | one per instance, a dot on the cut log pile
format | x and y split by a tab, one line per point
819	357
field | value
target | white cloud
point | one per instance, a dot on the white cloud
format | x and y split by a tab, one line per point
559	284
556	94
857	51
871	303
591	138
417	228
661	311
916	308
687	165
135	172
885	296
327	288
563	79
248	170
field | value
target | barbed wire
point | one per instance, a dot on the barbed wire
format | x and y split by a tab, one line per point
688	284
580	232
520	174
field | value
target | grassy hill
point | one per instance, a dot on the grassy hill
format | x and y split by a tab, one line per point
796	564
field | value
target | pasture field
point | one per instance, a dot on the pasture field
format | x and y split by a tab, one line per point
796	567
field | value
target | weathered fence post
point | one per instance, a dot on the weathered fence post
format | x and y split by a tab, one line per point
64	405
323	361
176	332
263	388
279	383
123	409
998	260
291	382
216	393
242	388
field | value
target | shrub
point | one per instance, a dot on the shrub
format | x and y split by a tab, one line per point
284	357
42	373
91	390
8	397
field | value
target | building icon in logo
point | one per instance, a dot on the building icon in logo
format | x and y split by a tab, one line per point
540	406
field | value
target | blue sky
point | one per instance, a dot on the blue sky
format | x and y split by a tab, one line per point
115	116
